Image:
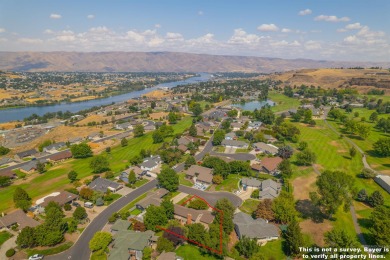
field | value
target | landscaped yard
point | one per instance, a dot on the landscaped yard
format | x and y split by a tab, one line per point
249	206
229	184
132	204
184	181
192	252
273	250
141	182
135	212
4	236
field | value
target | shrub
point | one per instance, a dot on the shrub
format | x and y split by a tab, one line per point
10	252
255	194
197	204
67	207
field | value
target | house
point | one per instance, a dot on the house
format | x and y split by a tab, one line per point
230	136
102	185
266	148
17	217
129	244
124	126
151	163
254	125
270	165
152	199
270	139
8	173
217	115
258	229
120	225
187	215
383	181
169	256
24	154
149	127
250	182
182	148
269	189
137	170
29	167
236	126
5	161
76	140
200	174
59	157
62	198
234	144
185	140
53	148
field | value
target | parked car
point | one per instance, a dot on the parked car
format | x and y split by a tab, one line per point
148	175
76	204
35	257
88	204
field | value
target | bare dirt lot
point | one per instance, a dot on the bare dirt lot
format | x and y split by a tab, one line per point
304	185
316	230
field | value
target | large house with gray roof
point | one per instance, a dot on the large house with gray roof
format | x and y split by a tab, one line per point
151	163
258	229
269	189
102	185
234	144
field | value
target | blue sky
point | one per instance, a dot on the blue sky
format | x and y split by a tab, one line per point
315	29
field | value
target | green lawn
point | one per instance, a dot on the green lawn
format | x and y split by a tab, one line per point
273	250
219	149
241	150
249	206
50	251
283	102
229	184
135	212
56	178
189	252
4	236
98	255
141	182
184	181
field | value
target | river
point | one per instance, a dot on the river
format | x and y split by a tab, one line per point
14	114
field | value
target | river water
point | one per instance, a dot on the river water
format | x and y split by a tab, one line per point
21	113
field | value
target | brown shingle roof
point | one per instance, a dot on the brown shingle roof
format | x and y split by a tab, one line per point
18	217
61	156
204	174
62	198
7	173
271	164
203	215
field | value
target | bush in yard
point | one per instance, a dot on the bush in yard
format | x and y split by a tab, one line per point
197	204
80	213
100	241
217	179
72	176
255	194
67	207
10	252
367	173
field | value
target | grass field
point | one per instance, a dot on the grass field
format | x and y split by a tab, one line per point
229	184
4	236
282	102
249	206
55	179
273	250
189	252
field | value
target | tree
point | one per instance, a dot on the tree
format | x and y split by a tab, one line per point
26	238
284	208
172	118
4	150
5	181
219	136
380	228
139	226
255	194
376	199
367	173
217	179
363	130
168	179
99	164
264	210
175	235
164	244
294	238
197	109
86	193
265	115
334	189
82	150
157	137
124	142
44	144
40	167
382	146
302	145
147	253
225	206
219	166
100	241
72	176
21	199
80	213
198	204
232	113
153	104
189	161
139	130
352	151
307	116
339	238
226	125
306	157
132	178
285	168
374	117
362	195
192	131
247	247
196	232
168	207
285	152
155	216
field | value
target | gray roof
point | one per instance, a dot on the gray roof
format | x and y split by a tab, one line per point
153	199
29	166
27	153
245	225
196	215
266	147
120	225
101	184
252	182
55	146
151	162
234	143
168	256
383	181
127	240
5	160
266	184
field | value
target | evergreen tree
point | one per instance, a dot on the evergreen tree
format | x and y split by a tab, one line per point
294	238
376	199
192	131
21	199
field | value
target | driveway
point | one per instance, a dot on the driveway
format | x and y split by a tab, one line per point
236	156
80	249
229	149
124	191
212	197
10	243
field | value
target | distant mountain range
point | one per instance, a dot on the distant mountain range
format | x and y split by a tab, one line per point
159	62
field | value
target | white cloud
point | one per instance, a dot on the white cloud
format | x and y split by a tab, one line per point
174	36
2	30
90	16
200	13
305	12
241	37
353	26
157	25
30	40
331	18
48	31
286	30
99	29
351	39
55	16
312	45
268	28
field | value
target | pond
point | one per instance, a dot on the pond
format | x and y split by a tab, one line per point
252	105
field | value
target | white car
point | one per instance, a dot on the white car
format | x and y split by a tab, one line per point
35	257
